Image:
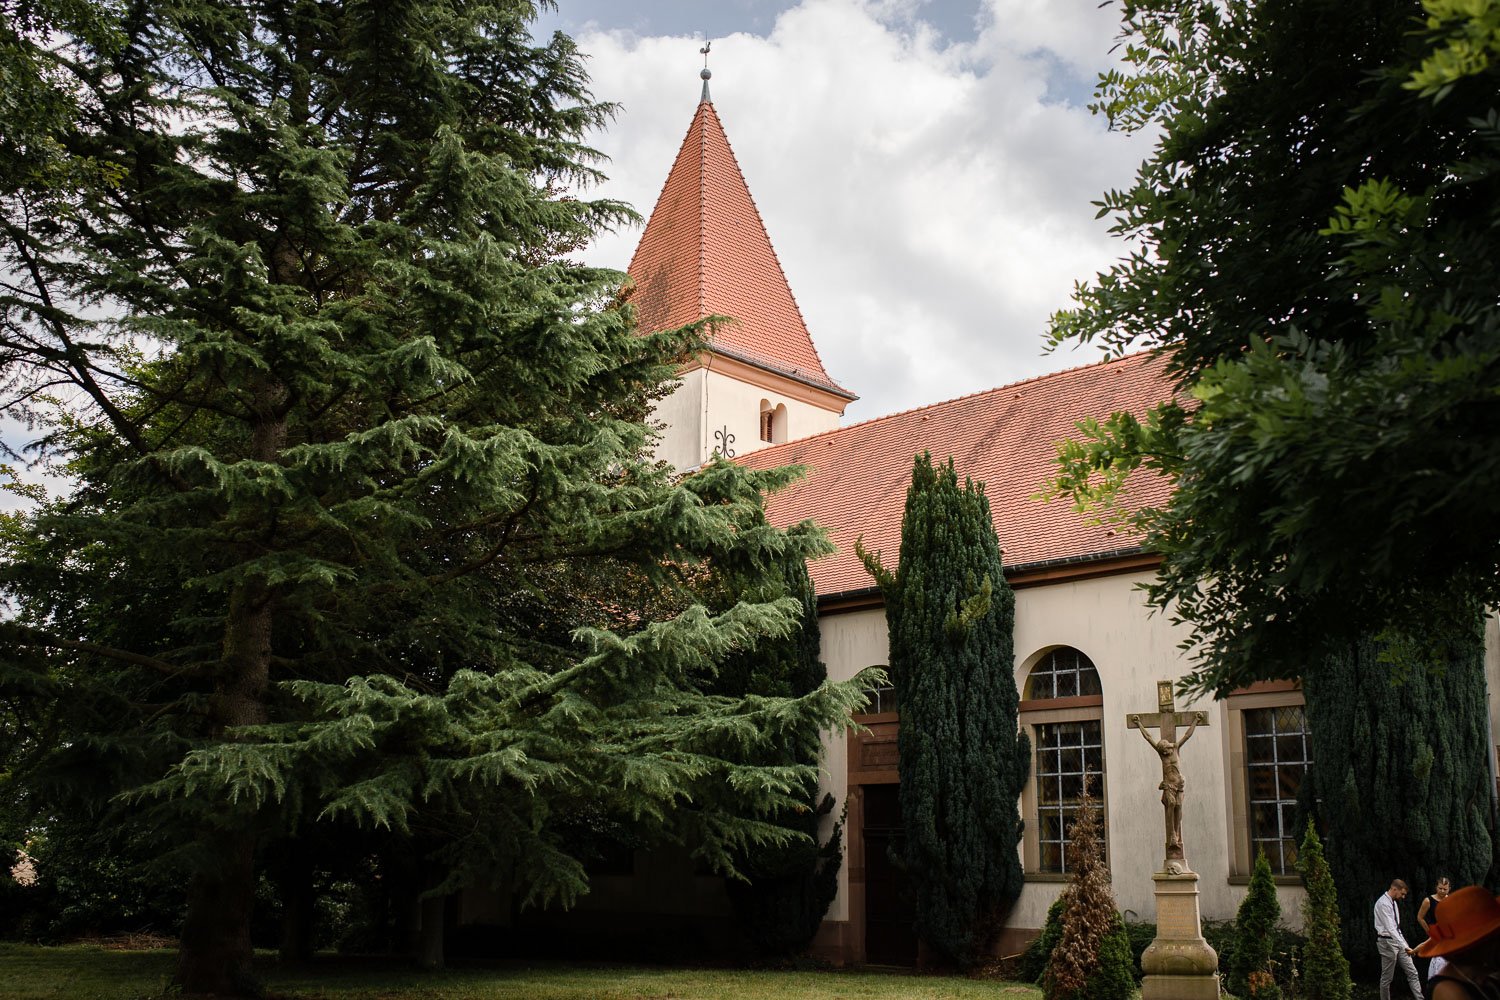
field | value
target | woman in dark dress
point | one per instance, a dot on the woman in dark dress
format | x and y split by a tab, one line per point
1427	914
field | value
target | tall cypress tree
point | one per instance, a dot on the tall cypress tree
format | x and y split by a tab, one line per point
365	491
951	616
1400	776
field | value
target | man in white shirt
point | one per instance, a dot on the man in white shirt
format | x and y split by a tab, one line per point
1391	943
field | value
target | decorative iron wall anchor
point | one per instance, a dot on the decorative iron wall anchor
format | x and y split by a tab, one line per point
725	446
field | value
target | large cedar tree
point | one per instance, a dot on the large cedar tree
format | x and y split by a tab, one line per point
365	517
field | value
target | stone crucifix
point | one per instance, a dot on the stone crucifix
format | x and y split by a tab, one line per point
1172	785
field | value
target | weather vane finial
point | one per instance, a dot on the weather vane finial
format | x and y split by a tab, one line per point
705	73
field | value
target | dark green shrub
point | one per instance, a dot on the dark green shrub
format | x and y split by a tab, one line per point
1256	920
93	878
1220	937
1114	978
1141	935
1325	969
1261	985
1286	954
1033	961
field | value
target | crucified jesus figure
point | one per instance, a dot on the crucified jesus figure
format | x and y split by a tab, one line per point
1172	785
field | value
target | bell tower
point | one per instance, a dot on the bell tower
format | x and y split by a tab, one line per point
705	252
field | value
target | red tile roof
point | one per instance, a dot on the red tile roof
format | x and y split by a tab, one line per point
1005	438
705	252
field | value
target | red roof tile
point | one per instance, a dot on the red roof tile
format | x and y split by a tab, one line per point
705	252
1005	438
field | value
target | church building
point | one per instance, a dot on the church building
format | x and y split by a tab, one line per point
1088	651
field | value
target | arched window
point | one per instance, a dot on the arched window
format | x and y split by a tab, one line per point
772	422
1062	673
1063	712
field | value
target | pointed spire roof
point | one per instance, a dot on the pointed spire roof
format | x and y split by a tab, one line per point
705	252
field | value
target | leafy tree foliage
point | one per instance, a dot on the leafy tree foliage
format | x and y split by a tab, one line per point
788	887
365	517
951	618
1400	779
92	876
1325	970
1313	250
1254	927
1092	958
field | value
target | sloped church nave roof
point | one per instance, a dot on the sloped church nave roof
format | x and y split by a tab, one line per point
857	476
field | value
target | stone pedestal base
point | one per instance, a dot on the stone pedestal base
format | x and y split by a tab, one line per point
1179	964
1180	988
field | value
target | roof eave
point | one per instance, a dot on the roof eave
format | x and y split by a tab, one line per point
795	375
1125	559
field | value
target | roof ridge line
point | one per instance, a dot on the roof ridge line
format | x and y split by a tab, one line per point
957	399
770	366
701	125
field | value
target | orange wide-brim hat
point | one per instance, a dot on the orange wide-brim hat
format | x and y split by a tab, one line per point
1468	915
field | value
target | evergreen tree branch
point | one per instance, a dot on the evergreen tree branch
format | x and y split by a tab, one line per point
22	635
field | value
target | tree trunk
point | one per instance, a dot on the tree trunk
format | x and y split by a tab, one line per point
297	903
406	933
215	954
430	947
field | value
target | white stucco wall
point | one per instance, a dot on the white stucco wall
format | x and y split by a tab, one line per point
681	444
851	642
1107	619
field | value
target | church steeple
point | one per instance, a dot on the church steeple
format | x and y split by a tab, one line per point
705	252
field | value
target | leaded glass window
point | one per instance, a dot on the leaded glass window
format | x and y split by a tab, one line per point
1276	759
1066	752
1063	673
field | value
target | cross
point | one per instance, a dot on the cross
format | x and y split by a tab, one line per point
1172	786
1166	718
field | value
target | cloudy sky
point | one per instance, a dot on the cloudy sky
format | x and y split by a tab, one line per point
924	167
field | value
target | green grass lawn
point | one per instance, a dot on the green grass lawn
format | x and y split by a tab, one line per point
80	972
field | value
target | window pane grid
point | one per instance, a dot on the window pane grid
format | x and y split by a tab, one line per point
1276	759
882	699
1063	673
1066	752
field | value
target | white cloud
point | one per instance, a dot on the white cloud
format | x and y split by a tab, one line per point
929	201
